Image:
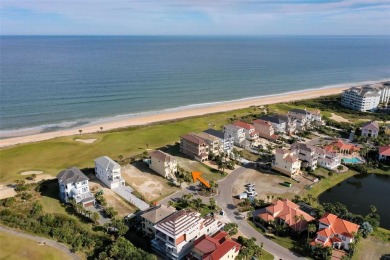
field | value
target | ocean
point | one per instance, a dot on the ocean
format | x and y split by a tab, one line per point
56	82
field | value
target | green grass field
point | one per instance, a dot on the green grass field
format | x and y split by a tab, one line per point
17	248
54	155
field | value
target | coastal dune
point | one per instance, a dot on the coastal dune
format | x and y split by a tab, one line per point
177	114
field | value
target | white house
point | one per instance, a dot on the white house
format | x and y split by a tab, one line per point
335	232
277	122
163	163
250	132
176	234
384	152
236	132
109	172
370	129
73	184
327	159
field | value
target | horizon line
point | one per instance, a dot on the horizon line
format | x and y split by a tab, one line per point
206	35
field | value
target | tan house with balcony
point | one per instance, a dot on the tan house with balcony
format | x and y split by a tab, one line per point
286	162
154	216
163	163
212	141
194	146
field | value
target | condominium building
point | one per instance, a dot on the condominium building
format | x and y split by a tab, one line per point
265	129
226	139
249	130
194	146
367	97
109	172
306	153
176	234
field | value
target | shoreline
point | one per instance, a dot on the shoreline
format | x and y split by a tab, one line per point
174	114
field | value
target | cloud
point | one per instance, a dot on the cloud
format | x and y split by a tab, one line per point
195	17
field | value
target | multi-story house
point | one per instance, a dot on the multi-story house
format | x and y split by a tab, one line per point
163	163
306	153
277	122
176	234
328	160
73	184
226	139
214	143
109	172
154	216
250	132
364	98
287	213
218	246
335	232
286	162
237	133
265	129
339	146
370	129
387	129
194	146
302	117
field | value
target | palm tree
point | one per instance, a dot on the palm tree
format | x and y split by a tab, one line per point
95	217
372	209
296	219
80	131
101	128
311	228
120	157
301	219
198	203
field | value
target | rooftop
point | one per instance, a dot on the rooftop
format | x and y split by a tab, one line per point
158	213
71	175
337	226
161	156
107	163
215	247
215	133
384	150
194	139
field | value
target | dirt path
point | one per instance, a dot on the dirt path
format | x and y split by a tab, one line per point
47	241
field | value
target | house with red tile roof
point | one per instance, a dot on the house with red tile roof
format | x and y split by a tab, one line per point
340	147
384	152
265	129
194	146
249	130
216	247
286	162
334	231
286	212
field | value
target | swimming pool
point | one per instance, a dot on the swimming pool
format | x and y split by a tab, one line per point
353	160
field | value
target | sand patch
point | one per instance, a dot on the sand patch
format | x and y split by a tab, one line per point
31	172
339	118
86	141
6	192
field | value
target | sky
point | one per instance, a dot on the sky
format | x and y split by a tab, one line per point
195	17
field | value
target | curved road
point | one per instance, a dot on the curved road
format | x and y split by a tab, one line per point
48	242
225	201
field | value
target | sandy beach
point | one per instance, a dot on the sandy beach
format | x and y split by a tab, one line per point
171	115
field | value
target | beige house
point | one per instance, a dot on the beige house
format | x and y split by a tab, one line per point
213	142
286	162
265	129
194	146
153	216
163	163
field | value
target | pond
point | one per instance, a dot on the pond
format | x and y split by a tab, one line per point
361	191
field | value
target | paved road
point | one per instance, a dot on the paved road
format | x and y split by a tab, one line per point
47	241
225	201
